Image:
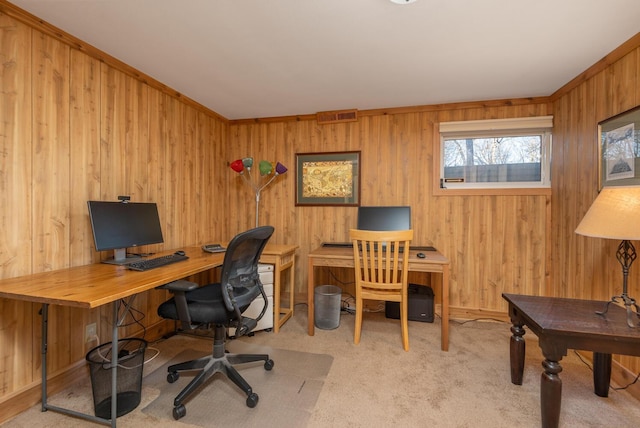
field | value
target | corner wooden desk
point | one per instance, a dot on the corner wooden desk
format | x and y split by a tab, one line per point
433	263
563	324
91	286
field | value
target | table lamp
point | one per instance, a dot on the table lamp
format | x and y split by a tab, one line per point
268	173
615	214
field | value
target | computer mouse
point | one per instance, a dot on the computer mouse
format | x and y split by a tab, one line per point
421	255
179	253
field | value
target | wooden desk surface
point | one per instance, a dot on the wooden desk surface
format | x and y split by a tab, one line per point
575	324
343	257
93	285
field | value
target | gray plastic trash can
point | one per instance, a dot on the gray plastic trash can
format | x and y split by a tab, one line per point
129	376
326	310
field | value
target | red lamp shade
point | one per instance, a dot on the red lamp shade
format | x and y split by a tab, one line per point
237	165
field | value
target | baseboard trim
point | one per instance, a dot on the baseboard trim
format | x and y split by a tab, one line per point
466	314
622	376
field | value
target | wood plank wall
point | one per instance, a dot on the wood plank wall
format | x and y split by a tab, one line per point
76	128
583	267
495	243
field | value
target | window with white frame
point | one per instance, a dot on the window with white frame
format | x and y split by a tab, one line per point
495	154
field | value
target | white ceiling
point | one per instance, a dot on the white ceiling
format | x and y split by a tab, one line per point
265	58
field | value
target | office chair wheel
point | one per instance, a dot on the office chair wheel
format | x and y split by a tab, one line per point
268	365
252	400
172	377
179	412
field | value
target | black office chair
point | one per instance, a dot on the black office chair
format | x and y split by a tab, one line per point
220	305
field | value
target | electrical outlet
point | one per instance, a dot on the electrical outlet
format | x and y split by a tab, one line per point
90	332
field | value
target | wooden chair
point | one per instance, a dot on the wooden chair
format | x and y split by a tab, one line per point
380	274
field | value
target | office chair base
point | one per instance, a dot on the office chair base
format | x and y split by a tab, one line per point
219	361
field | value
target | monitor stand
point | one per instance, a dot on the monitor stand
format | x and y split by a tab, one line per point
120	257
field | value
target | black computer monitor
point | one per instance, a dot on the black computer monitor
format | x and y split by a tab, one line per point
384	218
120	225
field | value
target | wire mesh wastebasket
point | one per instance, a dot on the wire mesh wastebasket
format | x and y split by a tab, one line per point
326	307
129	376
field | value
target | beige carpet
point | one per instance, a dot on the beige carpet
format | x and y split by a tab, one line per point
288	393
378	384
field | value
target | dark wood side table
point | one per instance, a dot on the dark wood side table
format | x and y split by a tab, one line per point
563	324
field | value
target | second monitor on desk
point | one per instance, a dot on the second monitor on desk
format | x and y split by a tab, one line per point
382	218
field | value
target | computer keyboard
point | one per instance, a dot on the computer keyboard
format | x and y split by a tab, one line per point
156	262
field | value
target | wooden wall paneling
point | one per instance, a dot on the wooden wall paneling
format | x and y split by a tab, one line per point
479	273
570	201
137	146
174	197
16	193
158	155
188	176
51	176
16	141
240	197
586	267
137	163
113	129
117	136
625	81
51	153
158	179
85	153
84	111
420	184
584	134
276	144
558	182
211	190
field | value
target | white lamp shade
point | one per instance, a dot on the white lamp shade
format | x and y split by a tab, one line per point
615	214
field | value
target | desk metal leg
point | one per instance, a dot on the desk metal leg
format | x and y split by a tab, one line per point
46	406
114	364
44	312
444	288
310	307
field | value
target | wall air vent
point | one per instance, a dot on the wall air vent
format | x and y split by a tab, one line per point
338	116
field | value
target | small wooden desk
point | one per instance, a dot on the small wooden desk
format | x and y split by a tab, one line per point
283	257
563	324
434	263
91	286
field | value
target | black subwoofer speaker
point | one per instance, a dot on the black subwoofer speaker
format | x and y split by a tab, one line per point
420	304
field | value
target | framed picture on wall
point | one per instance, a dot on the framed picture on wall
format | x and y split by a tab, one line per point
619	149
331	178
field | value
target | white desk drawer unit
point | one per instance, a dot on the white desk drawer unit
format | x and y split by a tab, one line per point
266	323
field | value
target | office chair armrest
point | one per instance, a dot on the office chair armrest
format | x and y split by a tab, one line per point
179	285
179	288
